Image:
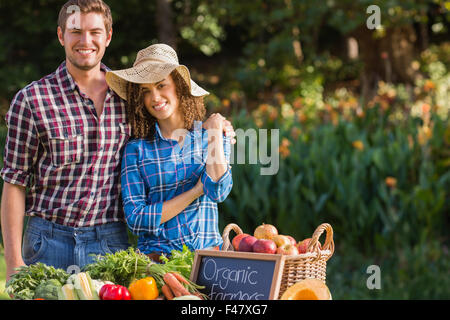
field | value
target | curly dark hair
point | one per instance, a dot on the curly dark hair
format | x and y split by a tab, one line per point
143	123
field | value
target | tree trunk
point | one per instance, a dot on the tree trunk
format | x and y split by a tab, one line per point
401	46
164	23
296	44
386	59
423	31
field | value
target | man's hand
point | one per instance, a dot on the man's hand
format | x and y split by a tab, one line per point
227	127
11	268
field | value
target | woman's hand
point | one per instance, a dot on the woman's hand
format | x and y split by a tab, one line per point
218	122
199	188
176	205
216	163
215	122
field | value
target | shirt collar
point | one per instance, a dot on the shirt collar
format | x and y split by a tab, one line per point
158	133
66	80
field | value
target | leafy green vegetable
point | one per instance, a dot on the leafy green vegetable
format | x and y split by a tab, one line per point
23	284
180	261
48	290
123	266
120	267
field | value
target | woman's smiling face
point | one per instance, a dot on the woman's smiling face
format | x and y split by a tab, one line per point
160	99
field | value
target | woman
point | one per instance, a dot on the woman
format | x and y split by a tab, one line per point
174	172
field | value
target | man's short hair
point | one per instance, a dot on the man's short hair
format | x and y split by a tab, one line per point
85	6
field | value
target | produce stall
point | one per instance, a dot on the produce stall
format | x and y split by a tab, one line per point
124	275
262	266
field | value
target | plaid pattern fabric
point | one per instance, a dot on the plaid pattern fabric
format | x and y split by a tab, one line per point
159	170
67	156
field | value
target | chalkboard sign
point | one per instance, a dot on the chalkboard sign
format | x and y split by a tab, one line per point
229	275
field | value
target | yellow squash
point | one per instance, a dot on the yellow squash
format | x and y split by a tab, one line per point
307	289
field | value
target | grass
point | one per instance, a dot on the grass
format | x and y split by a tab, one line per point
3	295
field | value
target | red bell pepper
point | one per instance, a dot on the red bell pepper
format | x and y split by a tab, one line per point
114	292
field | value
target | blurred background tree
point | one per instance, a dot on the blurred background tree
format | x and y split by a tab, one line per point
264	45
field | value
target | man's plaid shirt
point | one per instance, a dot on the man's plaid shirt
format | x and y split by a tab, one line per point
68	157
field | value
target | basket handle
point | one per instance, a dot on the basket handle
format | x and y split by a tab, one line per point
329	242
227	246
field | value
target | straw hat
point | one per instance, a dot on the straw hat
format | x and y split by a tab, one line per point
152	64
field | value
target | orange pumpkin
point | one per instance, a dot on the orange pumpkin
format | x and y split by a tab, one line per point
307	289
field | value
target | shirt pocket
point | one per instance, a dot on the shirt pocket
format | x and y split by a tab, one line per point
66	145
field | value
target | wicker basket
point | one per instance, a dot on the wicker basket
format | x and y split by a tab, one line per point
312	264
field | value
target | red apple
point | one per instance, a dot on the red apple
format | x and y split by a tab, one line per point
265	246
302	246
237	239
281	240
246	243
287	249
292	239
265	231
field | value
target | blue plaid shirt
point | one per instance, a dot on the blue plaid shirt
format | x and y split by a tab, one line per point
158	170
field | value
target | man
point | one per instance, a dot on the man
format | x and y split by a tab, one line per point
66	133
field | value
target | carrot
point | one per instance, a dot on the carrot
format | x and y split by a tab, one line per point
167	292
177	293
174	284
180	278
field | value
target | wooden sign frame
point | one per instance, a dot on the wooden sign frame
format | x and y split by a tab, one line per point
278	269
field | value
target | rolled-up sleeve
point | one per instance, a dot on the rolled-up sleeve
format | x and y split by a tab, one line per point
218	191
21	145
141	216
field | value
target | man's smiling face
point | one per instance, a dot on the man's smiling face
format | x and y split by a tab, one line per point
86	43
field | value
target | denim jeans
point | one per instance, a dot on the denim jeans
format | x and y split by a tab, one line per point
66	247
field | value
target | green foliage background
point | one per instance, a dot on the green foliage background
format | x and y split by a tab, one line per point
375	167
